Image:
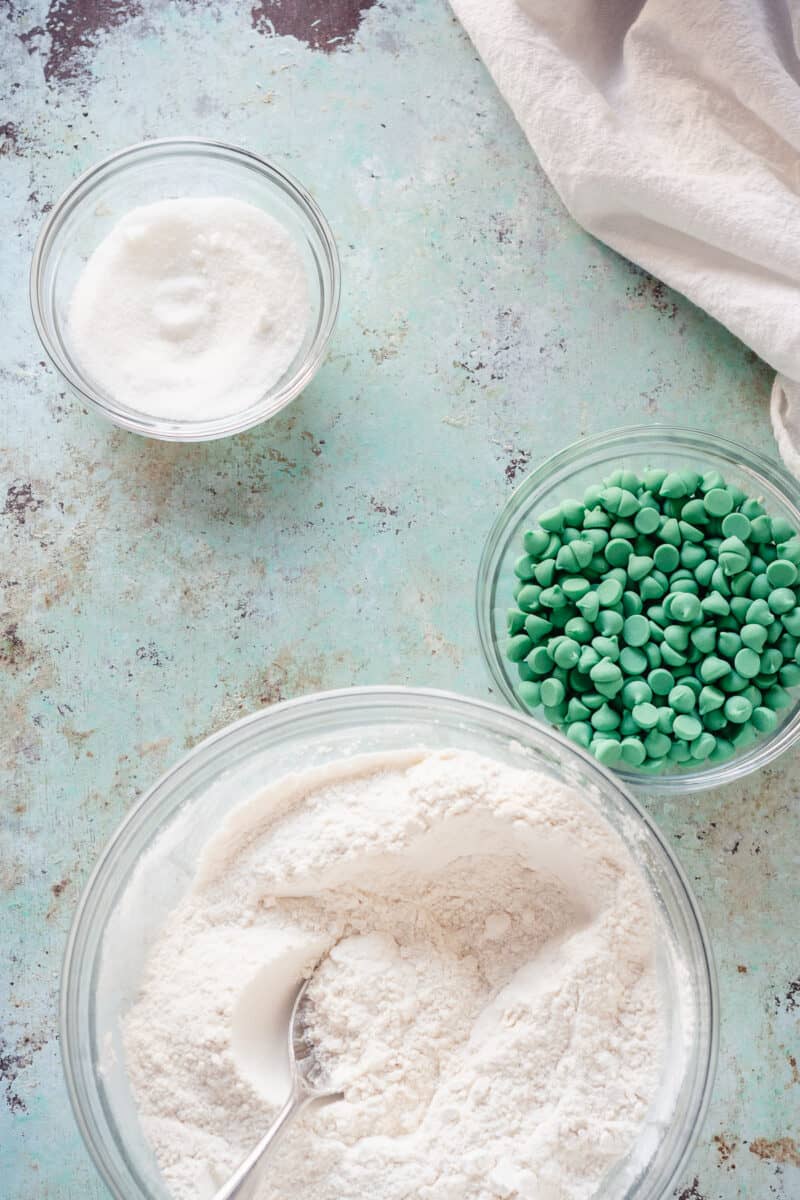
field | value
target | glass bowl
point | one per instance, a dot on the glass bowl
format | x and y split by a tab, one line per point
159	170
149	864
567	474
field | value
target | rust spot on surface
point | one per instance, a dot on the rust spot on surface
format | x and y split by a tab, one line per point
321	24
30	38
725	1148
73	28
518	462
58	890
151	654
13	1060
552	343
158	747
692	1192
271	690
741	969
390	341
13	653
653	292
378	507
77	737
791	1000
9	133
793	1069
277	456
20	740
503	227
20	501
782	1150
12	874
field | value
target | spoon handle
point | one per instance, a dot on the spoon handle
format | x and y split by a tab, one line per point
244	1182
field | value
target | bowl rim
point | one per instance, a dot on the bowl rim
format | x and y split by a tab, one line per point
273	400
765	470
368	699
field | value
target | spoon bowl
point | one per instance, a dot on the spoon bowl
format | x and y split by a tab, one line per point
310	1083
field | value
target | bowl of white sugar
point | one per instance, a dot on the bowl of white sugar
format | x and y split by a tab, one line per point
185	289
515	977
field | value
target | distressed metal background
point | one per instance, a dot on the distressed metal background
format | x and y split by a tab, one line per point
152	593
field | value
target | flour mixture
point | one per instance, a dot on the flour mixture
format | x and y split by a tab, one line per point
489	989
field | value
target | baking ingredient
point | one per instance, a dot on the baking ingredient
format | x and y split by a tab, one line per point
490	993
190	308
657	622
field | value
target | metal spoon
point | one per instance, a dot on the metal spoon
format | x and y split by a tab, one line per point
309	1083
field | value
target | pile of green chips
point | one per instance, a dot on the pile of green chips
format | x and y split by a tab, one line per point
657	622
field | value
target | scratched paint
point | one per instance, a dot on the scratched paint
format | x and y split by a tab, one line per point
152	593
318	23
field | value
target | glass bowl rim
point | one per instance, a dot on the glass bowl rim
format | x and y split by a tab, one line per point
150	810
723	450
272	401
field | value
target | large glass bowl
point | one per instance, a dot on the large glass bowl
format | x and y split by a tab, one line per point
567	474
150	862
166	169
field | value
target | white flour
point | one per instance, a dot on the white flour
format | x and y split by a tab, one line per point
490	992
190	308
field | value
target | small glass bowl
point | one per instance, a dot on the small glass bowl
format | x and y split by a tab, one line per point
567	474
159	170
150	862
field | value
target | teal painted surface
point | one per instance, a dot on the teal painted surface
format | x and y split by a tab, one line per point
152	593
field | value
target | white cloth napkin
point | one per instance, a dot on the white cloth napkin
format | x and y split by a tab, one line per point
671	131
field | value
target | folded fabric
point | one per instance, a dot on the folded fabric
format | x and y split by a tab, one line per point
671	131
